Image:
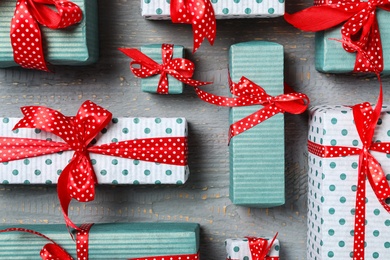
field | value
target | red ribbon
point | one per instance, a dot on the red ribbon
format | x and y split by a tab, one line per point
26	38
53	251
179	68
249	93
365	118
77	180
360	27
199	13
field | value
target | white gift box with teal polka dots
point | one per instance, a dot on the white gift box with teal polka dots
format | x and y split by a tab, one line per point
332	188
108	169
238	249
224	9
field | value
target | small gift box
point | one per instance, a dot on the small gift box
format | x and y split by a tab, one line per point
75	44
224	9
103	241
257	155
349	177
252	248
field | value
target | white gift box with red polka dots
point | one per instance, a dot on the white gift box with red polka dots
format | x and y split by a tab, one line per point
108	169
224	9
75	45
332	185
238	249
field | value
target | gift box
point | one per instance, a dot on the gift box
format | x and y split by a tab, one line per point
331	57
239	249
224	9
74	45
109	169
106	241
257	155
150	84
333	185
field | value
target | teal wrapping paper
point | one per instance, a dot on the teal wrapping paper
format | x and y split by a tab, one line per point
106	241
330	56
150	84
75	45
257	155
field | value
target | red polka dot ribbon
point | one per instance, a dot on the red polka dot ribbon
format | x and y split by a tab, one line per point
365	118
199	13
360	27
170	257
179	68
26	38
77	180
261	247
247	93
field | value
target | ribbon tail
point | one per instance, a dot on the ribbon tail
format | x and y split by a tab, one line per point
317	18
54	251
378	182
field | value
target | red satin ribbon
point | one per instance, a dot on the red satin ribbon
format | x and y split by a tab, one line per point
26	38
77	180
249	94
360	27
179	68
199	13
365	118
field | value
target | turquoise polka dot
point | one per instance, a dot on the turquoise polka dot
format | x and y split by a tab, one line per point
379	121
125	172
271	10
333	121
332	211
114	140
387	244
322	199
159	11
343	199
179	182
355	142
93	161
323	132
352	211
330	254
259	1
114	162
48	182
147	1
15	131
248	10
147	172
59	171
277	248
103	172
26	182
344	132
343	176
125	130
376	233
388	177
168	130
333	142
332	165
115	182
136	120
179	120
375	255
5	182
136	162
15	172
387	222
236	249
353	188
48	162
225	10
104	130
332	187
214	1
37	131
377	212
168	172
341	243
157	120
115	120
168	1
26	161
157	182
135	182
354	165
246	258
331	232
341	221
5	120
37	172
147	130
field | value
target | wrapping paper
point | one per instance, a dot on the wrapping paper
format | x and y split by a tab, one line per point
107	241
332	58
76	45
238	249
257	155
109	169
224	9
332	188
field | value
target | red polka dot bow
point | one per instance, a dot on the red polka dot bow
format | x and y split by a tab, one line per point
261	247
179	68
26	38
365	118
199	13
360	27
77	180
247	93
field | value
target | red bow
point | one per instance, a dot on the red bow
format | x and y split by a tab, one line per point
248	94
25	33
365	118
199	13
77	180
360	27
179	68
260	248
53	251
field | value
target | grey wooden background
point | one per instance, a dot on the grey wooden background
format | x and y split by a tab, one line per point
204	198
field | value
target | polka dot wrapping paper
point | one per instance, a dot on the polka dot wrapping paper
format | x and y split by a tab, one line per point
106	241
333	184
330	56
108	169
257	155
74	45
238	249
224	9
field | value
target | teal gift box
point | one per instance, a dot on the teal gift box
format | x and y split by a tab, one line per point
332	188
75	45
150	84
257	155
106	241
330	56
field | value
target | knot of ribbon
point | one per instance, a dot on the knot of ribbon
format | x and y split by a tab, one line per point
179	68
248	93
199	13
360	27
77	180
53	251
25	33
369	168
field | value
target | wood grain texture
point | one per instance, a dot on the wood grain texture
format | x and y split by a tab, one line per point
204	198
